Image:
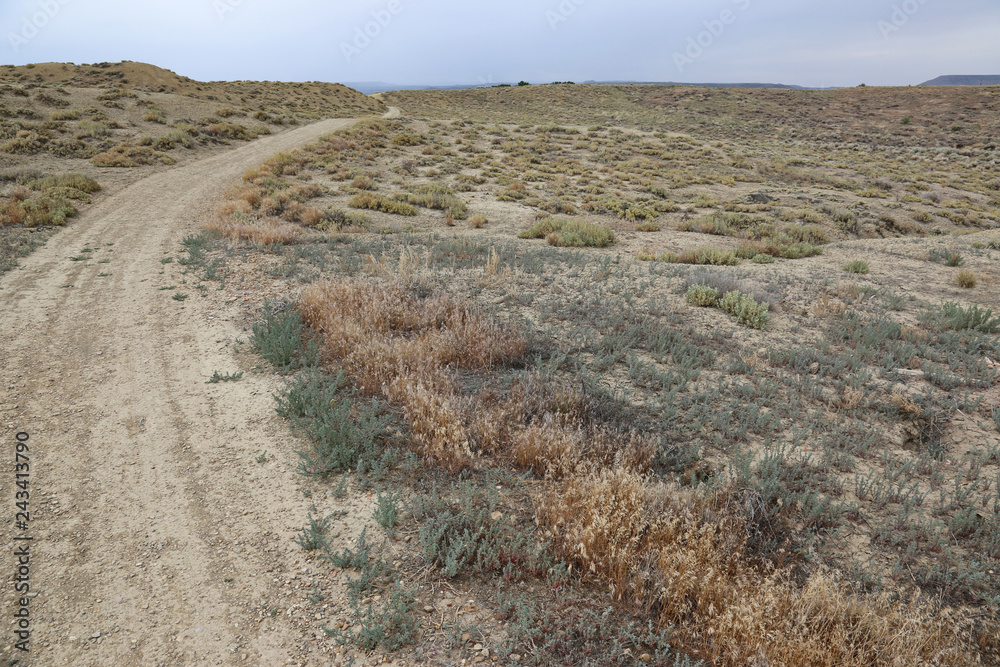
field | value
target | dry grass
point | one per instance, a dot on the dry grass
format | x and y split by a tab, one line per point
685	559
406	349
260	231
686	562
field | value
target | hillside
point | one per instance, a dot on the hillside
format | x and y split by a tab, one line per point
306	100
105	126
927	117
965	80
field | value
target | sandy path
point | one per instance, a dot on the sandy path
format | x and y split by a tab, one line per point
152	523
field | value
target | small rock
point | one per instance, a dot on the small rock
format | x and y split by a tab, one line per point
645	657
96	635
429	609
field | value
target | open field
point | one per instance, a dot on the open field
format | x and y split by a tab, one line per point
609	375
836	411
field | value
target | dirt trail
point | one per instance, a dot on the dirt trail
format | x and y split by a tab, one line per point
152	523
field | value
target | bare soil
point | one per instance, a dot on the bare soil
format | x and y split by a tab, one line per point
158	536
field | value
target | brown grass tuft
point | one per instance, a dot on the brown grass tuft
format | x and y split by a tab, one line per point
685	561
267	231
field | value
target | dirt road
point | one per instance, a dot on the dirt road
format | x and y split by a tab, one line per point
158	538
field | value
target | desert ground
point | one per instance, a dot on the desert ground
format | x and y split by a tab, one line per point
580	375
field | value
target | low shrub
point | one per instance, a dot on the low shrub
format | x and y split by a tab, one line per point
570	232
778	247
702	296
338	221
706	256
437	197
374	202
952	316
279	337
947	257
745	309
724	281
966	279
858	266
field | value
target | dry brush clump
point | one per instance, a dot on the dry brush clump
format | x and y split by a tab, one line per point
407	349
259	231
686	561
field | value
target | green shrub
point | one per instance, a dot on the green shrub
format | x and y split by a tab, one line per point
745	309
810	234
763	258
73	181
705	256
858	266
708	256
407	139
570	232
336	220
461	533
46	210
703	296
279	337
994	244
779	247
155	116
376	202
230	131
951	315
794	250
341	431
438	197
69	114
947	257
386	512
707	224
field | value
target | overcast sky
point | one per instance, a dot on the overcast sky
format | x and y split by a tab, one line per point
805	42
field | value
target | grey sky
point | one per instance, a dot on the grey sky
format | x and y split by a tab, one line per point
806	42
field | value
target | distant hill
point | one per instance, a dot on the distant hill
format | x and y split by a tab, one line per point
782	86
311	99
965	80
372	87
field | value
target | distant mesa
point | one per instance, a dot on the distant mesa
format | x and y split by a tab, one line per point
370	87
965	80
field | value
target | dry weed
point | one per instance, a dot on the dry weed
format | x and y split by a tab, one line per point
265	231
686	563
827	307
